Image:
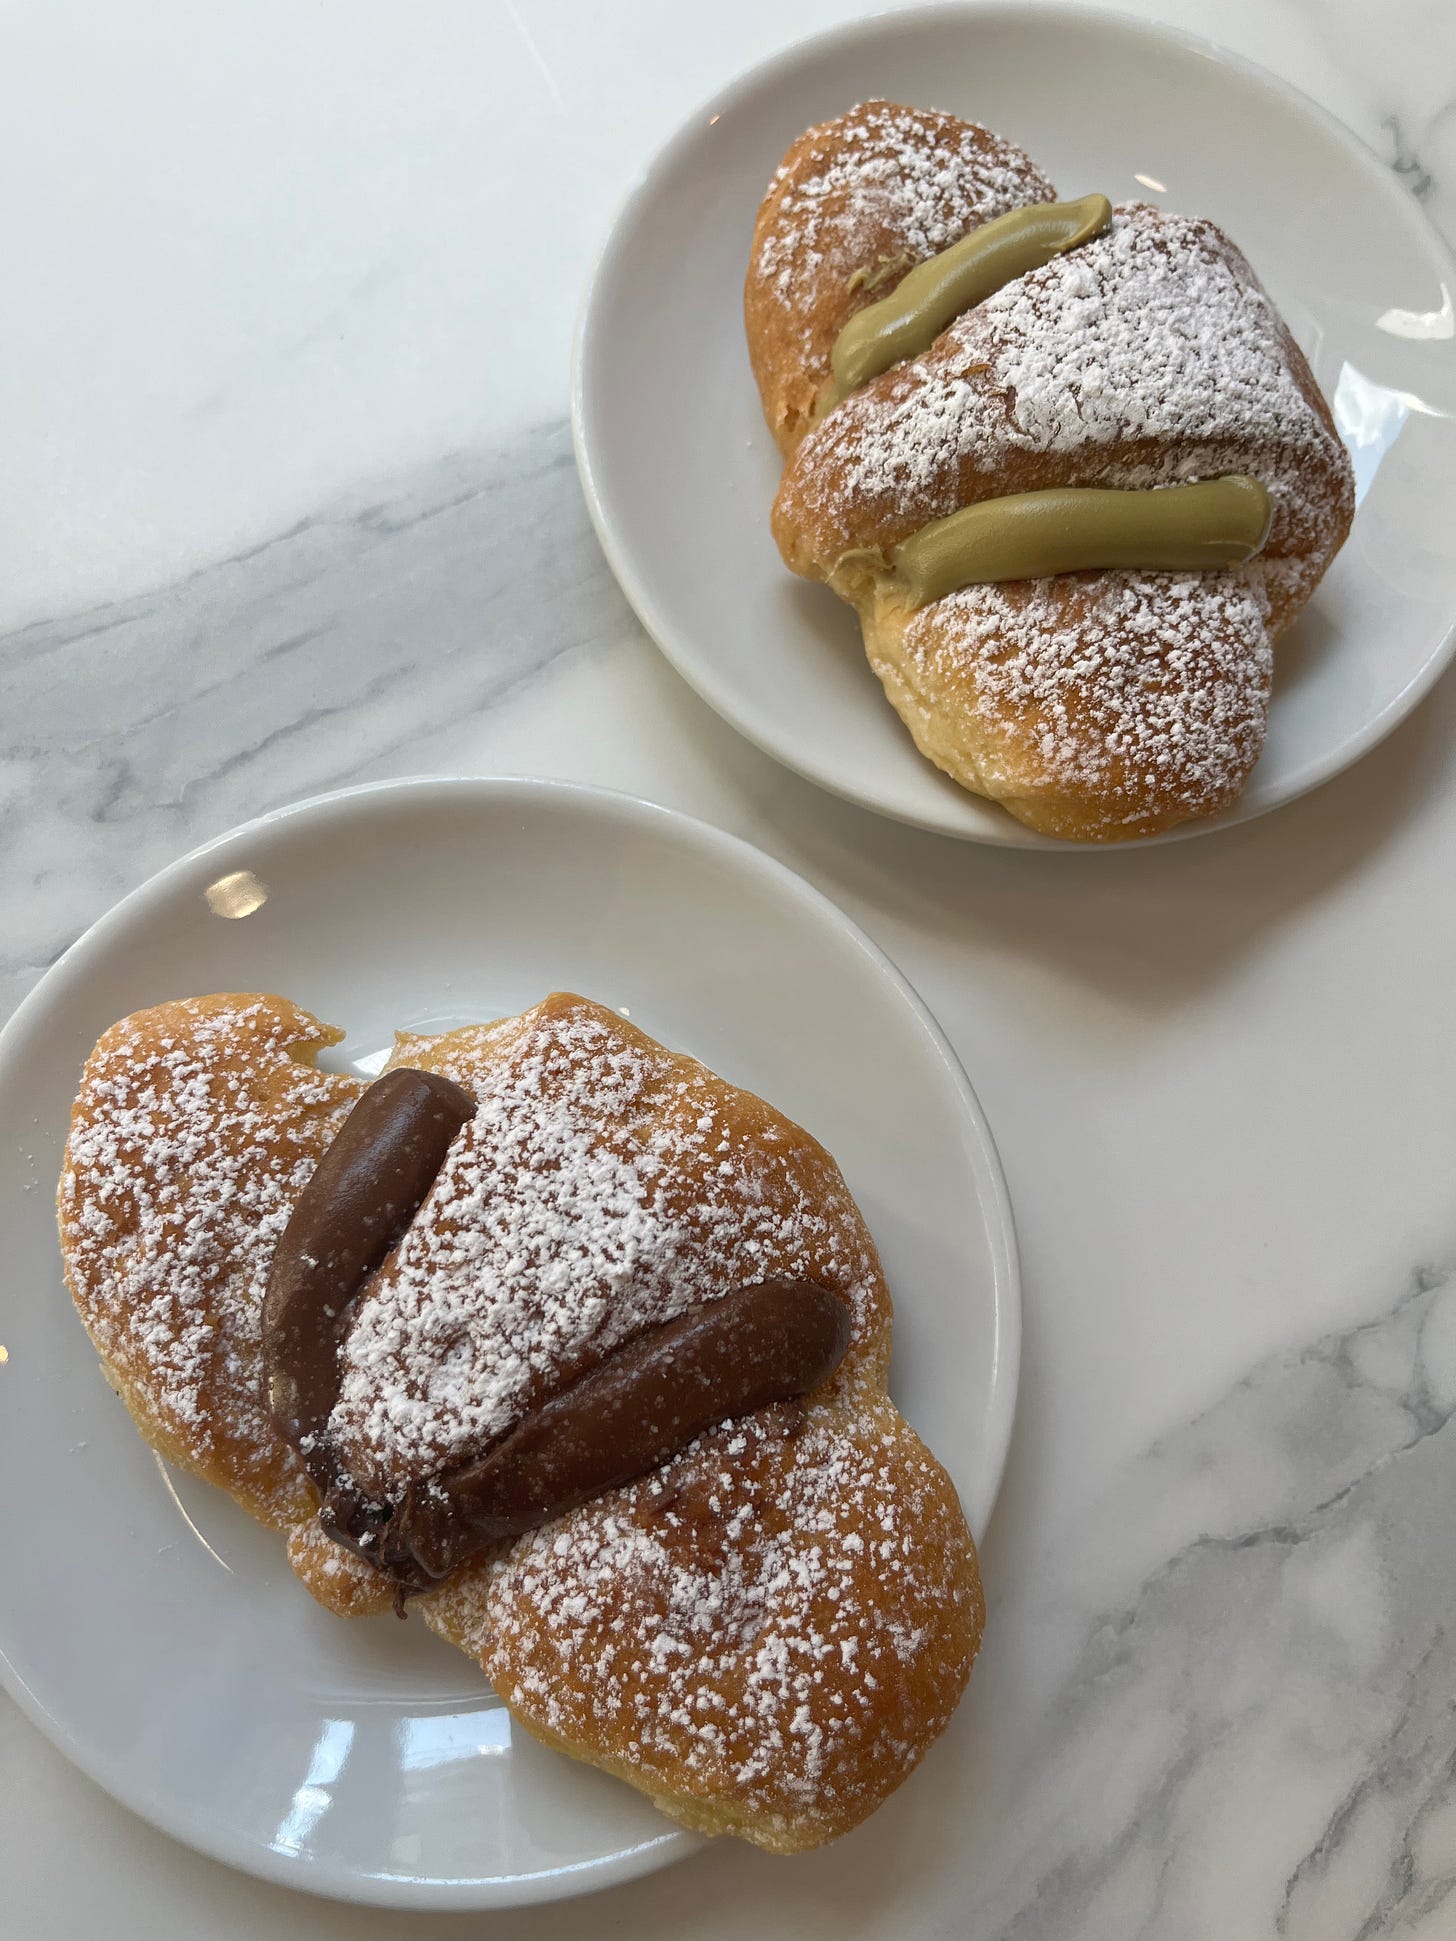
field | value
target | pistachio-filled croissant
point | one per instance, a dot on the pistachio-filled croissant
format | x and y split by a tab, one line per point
1064	459
575	1345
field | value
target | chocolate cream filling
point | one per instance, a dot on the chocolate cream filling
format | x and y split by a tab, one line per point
766	1342
358	1205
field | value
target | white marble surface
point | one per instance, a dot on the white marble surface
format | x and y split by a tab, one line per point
289	294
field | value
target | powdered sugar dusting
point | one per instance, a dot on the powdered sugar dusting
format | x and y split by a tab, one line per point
774	1624
195	1131
878	190
781	1619
1155	688
604	1185
1148	356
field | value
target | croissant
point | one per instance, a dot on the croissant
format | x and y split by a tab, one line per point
764	1612
1067	464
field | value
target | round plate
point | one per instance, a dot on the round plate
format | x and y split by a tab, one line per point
152	1629
680	471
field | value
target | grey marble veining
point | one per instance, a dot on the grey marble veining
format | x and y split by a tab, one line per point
1402	70
341	650
1218	1705
1259	1611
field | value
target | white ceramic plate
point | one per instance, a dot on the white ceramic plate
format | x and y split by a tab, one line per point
680	472
150	1627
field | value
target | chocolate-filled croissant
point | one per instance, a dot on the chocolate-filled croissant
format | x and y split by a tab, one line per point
1101	667
765	1628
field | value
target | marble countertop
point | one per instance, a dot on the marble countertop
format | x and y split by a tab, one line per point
261	393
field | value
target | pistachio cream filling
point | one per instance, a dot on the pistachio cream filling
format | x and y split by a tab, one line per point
935	293
1071	529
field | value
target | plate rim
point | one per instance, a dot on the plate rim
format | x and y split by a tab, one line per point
420	1893
964	16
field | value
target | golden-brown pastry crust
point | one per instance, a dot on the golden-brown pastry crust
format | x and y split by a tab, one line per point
815	1553
867	478
1095	706
196	1125
1024	693
622	1183
763	1637
856	203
